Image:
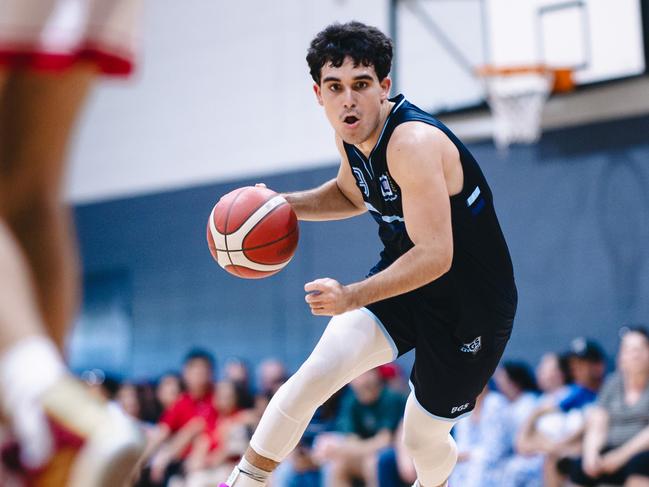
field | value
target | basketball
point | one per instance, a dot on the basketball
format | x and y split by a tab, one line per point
252	232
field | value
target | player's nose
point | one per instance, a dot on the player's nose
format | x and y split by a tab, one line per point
349	99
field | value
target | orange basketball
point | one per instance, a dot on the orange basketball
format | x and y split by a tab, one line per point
252	232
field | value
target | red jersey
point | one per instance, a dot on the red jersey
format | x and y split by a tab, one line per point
187	408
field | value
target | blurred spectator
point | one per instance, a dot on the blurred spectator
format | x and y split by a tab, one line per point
215	452
127	398
238	373
394	378
367	422
553	376
189	416
168	390
483	443
156	398
237	370
516	382
587	363
272	374
394	466
616	443
150	407
555	427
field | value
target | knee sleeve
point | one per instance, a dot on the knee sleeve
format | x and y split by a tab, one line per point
352	344
429	443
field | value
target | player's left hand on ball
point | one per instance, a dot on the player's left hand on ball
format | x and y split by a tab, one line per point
327	297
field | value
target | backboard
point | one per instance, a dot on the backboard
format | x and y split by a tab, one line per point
440	43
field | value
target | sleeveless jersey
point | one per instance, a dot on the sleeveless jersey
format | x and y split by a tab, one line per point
481	267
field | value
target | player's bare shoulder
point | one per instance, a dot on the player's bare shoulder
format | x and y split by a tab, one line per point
412	137
419	141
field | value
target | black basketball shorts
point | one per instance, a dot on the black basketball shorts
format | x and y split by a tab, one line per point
457	345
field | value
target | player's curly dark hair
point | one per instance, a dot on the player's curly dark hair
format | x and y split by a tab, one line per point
366	45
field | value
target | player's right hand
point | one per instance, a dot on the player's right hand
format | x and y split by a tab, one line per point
327	297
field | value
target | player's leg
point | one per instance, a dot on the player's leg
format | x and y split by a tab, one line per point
22	337
351	344
35	390
38	113
430	445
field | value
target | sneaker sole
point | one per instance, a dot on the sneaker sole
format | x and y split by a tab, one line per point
108	458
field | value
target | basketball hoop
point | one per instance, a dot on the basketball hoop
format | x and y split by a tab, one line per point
516	96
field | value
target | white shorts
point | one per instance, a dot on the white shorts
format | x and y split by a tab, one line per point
52	35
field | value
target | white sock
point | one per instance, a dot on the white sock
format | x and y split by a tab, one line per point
27	370
247	475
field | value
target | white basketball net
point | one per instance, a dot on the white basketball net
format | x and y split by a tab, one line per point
516	102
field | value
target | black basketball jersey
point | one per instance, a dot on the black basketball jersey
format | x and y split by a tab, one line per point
481	263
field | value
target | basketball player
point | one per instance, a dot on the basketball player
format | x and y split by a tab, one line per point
50	54
444	284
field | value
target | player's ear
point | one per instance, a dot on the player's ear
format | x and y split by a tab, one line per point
386	84
318	93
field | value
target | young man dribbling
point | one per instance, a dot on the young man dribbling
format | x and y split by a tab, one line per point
444	283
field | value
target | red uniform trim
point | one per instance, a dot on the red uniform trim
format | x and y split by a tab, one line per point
31	57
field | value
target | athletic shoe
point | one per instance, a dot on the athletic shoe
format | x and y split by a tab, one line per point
95	444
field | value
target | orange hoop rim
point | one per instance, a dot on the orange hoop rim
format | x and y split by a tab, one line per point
562	76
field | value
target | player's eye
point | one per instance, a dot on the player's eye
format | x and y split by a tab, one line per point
359	85
334	87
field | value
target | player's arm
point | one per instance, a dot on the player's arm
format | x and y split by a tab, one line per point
416	154
336	199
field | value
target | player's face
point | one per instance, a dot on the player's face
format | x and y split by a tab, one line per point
352	97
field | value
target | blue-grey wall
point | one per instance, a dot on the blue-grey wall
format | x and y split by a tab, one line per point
574	209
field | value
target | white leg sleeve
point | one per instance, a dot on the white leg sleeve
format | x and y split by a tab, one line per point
352	343
429	444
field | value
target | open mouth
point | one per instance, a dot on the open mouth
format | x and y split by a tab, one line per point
350	120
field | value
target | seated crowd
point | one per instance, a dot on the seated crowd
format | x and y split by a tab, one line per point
568	423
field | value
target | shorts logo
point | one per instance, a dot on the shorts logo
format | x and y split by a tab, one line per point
386	188
458	409
473	347
361	181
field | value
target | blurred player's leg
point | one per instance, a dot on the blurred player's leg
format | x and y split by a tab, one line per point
38	115
352	344
65	436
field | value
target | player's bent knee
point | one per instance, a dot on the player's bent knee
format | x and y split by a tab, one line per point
311	385
435	461
417	443
429	443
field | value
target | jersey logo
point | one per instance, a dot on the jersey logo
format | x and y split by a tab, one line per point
358	174
459	409
386	188
473	347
